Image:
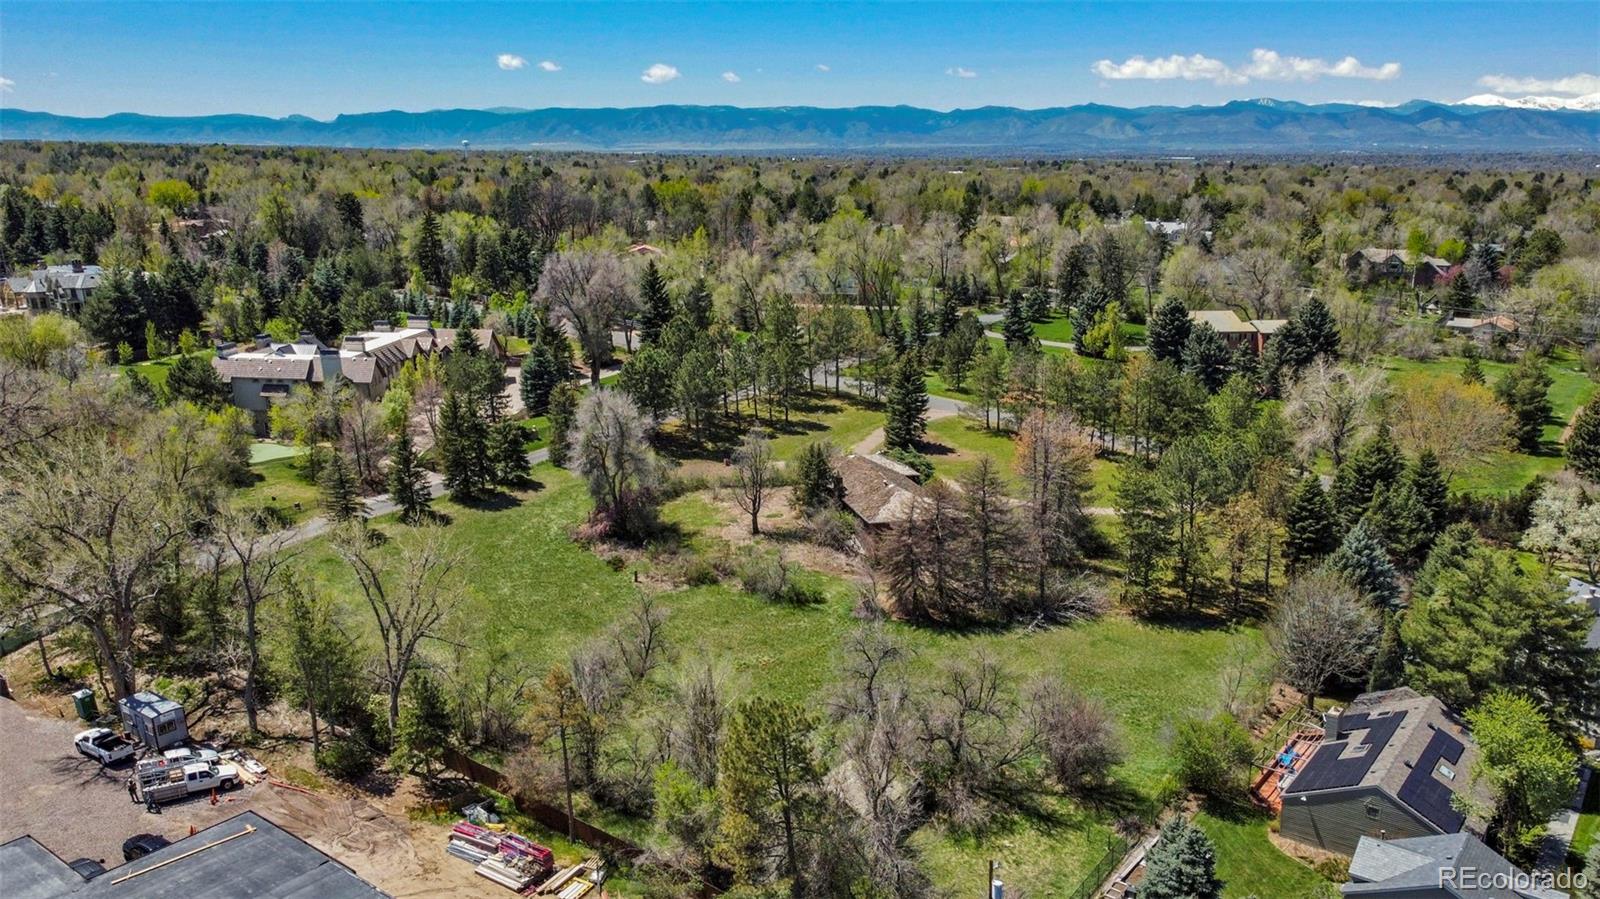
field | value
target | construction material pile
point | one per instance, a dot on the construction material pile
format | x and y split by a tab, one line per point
509	859
575	882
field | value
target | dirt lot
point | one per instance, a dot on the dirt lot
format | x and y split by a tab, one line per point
77	809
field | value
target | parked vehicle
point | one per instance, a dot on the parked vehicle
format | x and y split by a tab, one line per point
142	844
104	746
161	782
185	754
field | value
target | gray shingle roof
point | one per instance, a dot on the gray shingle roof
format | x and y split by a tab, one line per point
1421	865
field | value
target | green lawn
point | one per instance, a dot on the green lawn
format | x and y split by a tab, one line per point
528	587
279	483
539	426
1584	836
1248	862
1059	328
271	451
155	370
1505	472
955	443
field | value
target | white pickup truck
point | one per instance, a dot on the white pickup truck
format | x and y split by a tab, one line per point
104	746
161	782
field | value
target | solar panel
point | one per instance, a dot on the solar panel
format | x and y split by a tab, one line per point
1329	769
1428	795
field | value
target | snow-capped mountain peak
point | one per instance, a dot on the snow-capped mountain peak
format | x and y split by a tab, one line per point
1587	102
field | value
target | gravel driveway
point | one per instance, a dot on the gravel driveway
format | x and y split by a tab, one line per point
71	805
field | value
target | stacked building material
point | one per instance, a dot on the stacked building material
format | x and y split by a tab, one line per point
515	872
509	859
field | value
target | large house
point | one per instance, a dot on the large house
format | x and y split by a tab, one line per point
246	855
1372	264
1389	766
1450	866
368	361
54	288
878	490
1235	331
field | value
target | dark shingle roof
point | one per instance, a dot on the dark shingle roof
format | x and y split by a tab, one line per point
266	863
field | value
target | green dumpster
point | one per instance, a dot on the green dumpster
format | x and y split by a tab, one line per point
83	701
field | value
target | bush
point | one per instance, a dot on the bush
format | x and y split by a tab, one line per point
767	576
913	459
346	759
698	571
831	528
1212	754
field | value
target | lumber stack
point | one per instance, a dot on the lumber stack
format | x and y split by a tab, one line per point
511	860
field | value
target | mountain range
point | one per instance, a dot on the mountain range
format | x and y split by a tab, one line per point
1252	126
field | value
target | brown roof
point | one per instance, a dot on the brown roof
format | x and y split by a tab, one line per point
293	368
875	493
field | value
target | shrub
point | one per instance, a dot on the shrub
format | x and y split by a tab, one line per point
767	576
698	571
346	759
915	460
1212	753
831	528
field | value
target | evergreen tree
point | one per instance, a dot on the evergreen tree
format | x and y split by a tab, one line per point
408	482
697	305
1181	865
1389	666
193	379
648	378
1309	525
817	484
1016	328
1427	479
1472	368
1461	295
340	502
907	408
1206	357
1364	564
542	369
429	252
1091	303
463	448
507	459
1525	392
1366	474
1583	444
563	411
1169	331
1037	304
655	304
114	313
1146	528
1318	329
423	729
1073	278
1404	523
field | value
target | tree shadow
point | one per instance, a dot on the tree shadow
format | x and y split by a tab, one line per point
498	501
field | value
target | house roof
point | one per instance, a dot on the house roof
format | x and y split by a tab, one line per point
1268	325
1223	321
261	860
1407	745
876	493
1416	866
1588	594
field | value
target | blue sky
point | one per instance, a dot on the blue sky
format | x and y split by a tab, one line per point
320	59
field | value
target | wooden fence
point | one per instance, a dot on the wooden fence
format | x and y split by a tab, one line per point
543	812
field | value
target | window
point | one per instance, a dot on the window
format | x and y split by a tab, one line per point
1372	810
1447	772
166	727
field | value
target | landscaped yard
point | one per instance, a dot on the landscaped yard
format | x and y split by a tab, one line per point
155	370
1248	862
279	483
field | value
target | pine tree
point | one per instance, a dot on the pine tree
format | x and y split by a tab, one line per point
1583	444
1362	562
817	484
1181	865
1206	357
655	304
1389	666
907	408
463	448
697	305
506	457
1427	479
1169	330
1317	328
1372	469
1091	303
1016	328
1146	528
1309	525
339	499
1525	392
429	251
1073	278
408	483
563	411
1472	369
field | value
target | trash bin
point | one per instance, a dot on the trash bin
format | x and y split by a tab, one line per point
83	701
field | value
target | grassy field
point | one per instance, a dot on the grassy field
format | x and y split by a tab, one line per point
529	587
155	370
1059	328
1504	472
955	443
1248	862
279	483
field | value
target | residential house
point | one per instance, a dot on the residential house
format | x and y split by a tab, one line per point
1389	766
878	490
1484	330
1237	332
54	288
246	855
368	361
1449	866
1173	230
1587	594
1370	265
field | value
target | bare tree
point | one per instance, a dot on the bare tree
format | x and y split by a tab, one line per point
1076	734
1331	407
1054	457
365	441
752	466
257	554
872	671
1323	629
640	638
409	609
973	740
612	455
696	736
588	290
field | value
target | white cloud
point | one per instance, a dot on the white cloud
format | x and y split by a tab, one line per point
1264	65
660	73
6	84
510	61
731	77
960	72
550	65
823	67
1581	83
1189	68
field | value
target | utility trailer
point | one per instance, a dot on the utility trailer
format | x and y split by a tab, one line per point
153	719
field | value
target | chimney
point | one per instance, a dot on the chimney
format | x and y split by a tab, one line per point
77	266
382	327
355	343
263	341
225	348
1332	720
307	337
418	321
